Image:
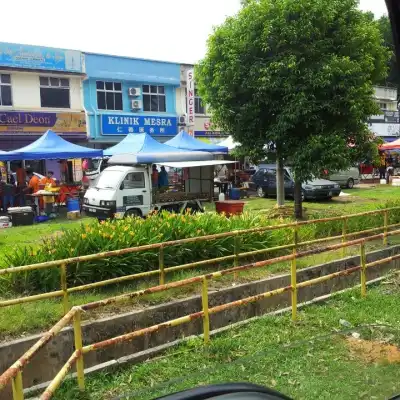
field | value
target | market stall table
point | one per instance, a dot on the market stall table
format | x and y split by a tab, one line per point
41	195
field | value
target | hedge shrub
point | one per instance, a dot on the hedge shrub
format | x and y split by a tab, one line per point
113	235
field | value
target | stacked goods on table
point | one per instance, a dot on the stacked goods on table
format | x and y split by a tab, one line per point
170	197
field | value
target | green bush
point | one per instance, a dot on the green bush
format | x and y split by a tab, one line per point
114	235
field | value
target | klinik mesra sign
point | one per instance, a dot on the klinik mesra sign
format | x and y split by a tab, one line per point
190	101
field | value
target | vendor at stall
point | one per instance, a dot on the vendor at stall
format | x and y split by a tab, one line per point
163	179
47	183
33	184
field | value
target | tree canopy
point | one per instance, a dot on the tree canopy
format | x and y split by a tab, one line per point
297	73
393	78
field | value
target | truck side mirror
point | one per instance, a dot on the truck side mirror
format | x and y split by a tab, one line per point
122	186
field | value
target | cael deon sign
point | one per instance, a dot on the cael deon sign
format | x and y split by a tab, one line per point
22	121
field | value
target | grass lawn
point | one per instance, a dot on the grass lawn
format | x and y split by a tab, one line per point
32	235
316	358
357	199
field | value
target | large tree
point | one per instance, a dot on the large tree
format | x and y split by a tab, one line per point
297	73
393	78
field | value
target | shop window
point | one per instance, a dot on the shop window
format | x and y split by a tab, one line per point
109	95
54	92
198	104
154	98
5	90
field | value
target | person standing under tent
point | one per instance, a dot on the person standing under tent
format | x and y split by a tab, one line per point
21	183
48	182
7	192
382	165
154	176
163	179
389	173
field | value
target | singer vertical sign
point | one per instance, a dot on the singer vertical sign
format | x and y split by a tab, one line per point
190	101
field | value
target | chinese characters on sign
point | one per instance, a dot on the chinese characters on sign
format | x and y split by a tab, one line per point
190	101
125	124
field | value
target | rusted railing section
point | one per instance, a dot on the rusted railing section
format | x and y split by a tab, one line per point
162	271
14	373
17	367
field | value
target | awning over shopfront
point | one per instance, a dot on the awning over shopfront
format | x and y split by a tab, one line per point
389	139
51	146
135	143
184	141
395	145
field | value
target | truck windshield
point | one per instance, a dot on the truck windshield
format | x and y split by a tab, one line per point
109	180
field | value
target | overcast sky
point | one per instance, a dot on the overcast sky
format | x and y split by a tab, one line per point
173	30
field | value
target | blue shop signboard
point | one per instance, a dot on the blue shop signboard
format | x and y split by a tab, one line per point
36	57
124	124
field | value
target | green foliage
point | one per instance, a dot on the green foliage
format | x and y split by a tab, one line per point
297	73
385	28
114	235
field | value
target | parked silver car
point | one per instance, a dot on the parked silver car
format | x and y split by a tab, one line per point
346	179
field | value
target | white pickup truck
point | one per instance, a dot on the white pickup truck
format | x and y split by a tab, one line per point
126	190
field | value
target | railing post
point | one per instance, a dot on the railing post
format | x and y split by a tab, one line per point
78	346
363	272
63	276
344	232
385	227
206	316
161	265
293	274
236	250
17	387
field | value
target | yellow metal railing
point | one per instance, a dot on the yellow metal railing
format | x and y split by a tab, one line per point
162	270
14	373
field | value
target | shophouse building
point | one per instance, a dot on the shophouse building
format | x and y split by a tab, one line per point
40	89
129	95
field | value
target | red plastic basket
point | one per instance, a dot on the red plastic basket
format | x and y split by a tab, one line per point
229	207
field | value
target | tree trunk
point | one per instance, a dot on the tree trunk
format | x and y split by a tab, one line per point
280	185
298	206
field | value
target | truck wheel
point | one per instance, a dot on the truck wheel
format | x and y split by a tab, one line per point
350	183
133	213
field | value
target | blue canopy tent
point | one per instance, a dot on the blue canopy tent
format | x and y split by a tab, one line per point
50	146
184	141
5	157
139	143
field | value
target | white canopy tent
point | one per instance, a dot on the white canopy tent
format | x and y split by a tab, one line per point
229	143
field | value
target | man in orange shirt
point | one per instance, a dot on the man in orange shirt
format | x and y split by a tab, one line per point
33	186
21	184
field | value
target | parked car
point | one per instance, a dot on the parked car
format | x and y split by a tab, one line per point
264	182
346	179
